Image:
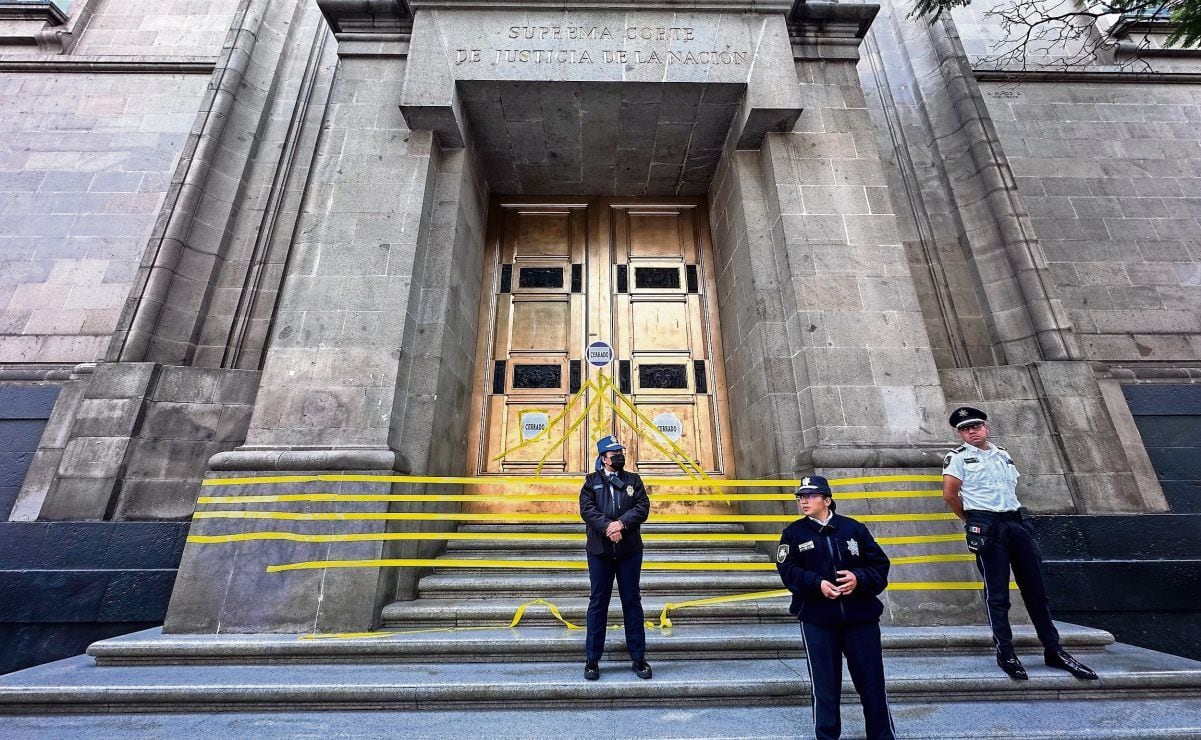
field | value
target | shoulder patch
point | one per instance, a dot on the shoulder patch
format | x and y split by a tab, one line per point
781	553
947	460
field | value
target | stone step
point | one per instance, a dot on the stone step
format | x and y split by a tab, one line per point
546	644
499	610
576	555
1043	719
78	685
574	528
700	543
467	583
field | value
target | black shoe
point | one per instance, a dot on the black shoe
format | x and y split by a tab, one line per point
642	668
1064	662
1011	665
591	670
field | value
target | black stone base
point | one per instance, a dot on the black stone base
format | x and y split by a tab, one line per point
27	645
68	584
1137	576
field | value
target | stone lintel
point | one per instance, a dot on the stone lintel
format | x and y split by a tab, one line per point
766	7
556	73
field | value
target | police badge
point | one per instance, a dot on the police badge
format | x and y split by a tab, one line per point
853	547
781	553
629	490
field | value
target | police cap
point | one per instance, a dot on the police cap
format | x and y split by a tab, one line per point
965	415
814	484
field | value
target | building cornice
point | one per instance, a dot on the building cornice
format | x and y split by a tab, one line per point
1066	75
119	65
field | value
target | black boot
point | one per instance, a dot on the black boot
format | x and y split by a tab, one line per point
1011	665
642	668
1064	662
591	670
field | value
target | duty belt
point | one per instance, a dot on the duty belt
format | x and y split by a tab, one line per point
1006	516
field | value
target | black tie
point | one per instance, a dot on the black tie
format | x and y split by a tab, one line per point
614	488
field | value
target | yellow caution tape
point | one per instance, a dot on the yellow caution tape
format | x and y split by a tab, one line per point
665	622
535	497
554	612
434	516
211	539
546	481
570	564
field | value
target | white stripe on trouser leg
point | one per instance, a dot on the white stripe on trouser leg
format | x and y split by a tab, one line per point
812	687
988	607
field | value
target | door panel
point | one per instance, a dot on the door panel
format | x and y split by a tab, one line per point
560	275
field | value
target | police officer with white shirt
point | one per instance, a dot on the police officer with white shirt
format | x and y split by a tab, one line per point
980	487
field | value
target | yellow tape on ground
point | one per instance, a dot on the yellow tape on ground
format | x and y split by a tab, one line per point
554	612
572	564
665	622
434	516
543	481
212	539
535	497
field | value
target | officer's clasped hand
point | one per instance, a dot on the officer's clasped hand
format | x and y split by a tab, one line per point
830	591
846	582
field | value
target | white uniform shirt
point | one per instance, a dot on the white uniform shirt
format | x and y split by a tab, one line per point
989	477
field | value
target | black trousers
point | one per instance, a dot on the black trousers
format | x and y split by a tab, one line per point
825	647
1009	543
602	569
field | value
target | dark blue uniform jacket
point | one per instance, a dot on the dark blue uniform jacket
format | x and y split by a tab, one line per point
633	507
810	553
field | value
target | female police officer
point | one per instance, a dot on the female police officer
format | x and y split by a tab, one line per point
835	569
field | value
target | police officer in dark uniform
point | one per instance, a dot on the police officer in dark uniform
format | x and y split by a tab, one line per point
835	570
979	484
613	504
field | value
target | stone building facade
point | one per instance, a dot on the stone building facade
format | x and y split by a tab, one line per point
252	238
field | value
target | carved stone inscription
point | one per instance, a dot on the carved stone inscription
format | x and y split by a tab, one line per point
553	44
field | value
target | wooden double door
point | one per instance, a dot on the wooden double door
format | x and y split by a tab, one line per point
562	276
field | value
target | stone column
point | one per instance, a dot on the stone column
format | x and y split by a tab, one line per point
368	366
829	364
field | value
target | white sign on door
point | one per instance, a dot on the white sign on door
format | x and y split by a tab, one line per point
533	423
600	354
670	425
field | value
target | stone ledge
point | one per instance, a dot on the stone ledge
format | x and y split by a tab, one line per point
77	684
876	457
247	459
688	642
121	65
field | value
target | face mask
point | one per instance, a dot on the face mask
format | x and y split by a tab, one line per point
617	462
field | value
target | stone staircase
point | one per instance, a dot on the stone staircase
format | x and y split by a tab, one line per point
721	670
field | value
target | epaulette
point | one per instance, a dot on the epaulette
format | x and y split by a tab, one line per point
960	448
999	447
